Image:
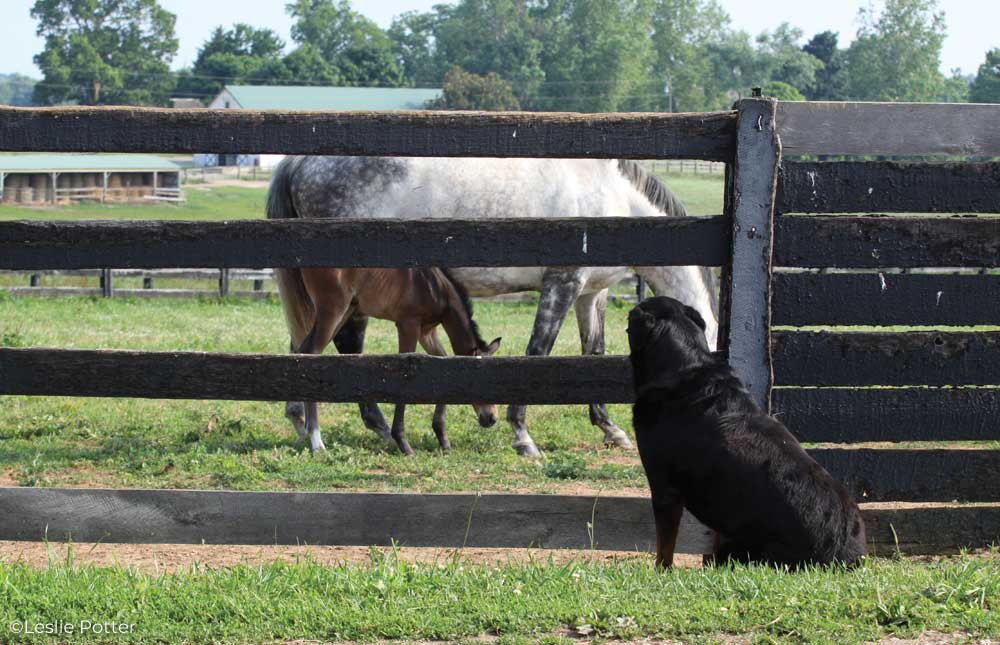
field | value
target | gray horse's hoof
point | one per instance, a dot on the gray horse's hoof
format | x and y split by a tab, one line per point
526	449
616	438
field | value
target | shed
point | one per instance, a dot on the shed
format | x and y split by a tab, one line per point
299	97
61	178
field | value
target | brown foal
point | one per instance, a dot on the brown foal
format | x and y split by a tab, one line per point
417	300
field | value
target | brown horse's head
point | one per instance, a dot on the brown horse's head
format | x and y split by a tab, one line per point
486	412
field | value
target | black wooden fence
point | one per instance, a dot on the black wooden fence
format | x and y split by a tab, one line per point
828	386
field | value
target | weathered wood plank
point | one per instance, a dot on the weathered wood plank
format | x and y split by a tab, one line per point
872	187
886	358
931	530
848	128
880	242
418	133
445	521
413	378
361	519
885	299
374	243
848	415
746	315
872	475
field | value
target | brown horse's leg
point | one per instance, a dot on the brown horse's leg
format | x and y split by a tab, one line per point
332	302
351	340
433	346
409	334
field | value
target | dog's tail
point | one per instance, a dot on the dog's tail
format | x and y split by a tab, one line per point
295	299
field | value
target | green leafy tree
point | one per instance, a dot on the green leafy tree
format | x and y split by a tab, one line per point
413	37
831	81
305	65
779	58
782	91
986	86
359	52
466	91
104	51
501	36
955	88
897	53
240	54
682	30
599	57
16	89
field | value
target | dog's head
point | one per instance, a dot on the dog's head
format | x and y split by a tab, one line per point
665	337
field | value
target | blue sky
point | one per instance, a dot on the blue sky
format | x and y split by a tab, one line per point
972	24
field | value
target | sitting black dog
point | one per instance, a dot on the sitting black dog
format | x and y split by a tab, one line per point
707	447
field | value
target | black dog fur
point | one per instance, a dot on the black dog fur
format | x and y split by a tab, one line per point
707	447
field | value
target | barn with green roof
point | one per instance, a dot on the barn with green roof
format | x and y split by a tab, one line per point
299	97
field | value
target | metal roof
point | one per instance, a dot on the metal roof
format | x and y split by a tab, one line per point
297	97
61	162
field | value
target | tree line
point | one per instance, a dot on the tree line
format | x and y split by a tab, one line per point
579	55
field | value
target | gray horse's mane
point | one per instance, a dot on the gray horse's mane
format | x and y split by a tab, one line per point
655	190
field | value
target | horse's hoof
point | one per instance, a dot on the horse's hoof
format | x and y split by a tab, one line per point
526	449
617	439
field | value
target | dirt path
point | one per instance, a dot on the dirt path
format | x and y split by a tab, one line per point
159	558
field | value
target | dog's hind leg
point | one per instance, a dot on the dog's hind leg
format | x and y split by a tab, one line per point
590	310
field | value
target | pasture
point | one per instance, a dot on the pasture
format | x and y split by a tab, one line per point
138	443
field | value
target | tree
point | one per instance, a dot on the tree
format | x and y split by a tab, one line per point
954	89
831	80
356	48
239	54
782	91
986	86
896	55
466	91
682	29
16	89
104	51
597	55
413	37
779	58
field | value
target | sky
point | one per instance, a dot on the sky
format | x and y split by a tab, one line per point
972	24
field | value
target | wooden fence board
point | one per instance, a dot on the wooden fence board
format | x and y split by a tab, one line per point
872	187
414	378
849	128
361	519
857	415
374	243
879	242
401	133
445	521
877	475
885	299
886	358
746	311
85	292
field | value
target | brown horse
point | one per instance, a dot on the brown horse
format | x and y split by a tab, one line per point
317	303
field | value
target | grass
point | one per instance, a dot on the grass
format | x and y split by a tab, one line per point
536	602
203	202
48	441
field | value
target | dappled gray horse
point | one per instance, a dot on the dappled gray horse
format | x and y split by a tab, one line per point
418	188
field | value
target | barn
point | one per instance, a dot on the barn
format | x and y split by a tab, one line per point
62	178
292	97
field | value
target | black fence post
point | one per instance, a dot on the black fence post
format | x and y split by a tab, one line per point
107	286
640	288
746	288
223	283
34	280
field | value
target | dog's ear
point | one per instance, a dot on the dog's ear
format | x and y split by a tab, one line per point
693	314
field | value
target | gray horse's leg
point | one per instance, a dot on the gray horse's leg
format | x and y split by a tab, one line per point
351	340
590	310
560	289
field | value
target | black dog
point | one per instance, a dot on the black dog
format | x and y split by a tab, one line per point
707	447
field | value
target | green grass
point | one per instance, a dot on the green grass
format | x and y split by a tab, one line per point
48	441
537	602
203	202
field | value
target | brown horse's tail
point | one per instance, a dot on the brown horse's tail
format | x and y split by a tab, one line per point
295	298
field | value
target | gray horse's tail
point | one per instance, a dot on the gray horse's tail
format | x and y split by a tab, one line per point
295	299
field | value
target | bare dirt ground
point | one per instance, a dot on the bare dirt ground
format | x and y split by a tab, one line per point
160	558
